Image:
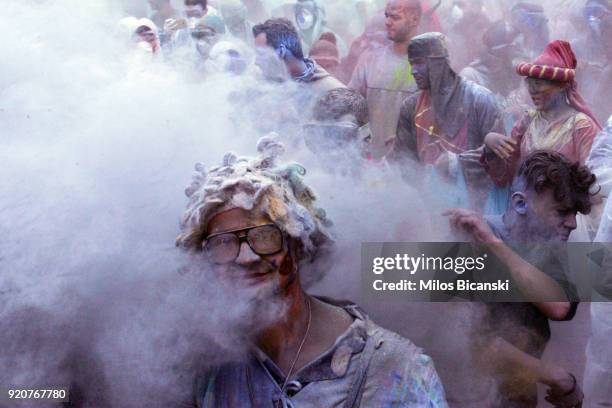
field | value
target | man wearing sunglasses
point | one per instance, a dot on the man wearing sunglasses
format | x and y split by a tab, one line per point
207	32
339	132
256	225
494	68
529	20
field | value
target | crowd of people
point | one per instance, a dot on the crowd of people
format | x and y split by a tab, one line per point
504	104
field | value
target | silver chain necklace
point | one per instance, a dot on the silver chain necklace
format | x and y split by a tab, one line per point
284	398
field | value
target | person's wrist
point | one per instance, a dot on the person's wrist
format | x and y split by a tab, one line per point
560	380
567	384
494	243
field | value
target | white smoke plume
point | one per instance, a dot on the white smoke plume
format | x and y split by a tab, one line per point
97	149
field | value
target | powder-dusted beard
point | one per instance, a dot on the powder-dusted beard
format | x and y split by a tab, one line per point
265	306
251	308
230	310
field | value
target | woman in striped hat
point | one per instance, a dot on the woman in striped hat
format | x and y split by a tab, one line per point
561	122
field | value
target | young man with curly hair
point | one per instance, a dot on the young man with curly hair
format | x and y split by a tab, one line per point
547	193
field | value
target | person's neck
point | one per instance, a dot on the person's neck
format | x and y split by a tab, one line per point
401	48
558	109
516	229
513	233
296	67
281	341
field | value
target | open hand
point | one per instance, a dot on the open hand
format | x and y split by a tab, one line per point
502	146
171	25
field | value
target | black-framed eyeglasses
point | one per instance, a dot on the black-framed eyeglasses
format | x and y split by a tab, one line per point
224	247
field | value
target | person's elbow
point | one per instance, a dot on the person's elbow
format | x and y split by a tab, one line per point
559	311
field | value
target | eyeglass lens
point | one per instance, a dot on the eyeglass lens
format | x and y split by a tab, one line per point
263	240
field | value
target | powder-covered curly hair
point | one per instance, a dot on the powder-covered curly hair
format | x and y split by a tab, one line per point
256	183
571	183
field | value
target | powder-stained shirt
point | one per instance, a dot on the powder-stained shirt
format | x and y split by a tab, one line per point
399	375
552	261
571	135
385	80
470	113
481	116
522	324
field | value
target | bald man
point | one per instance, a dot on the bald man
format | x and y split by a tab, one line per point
383	75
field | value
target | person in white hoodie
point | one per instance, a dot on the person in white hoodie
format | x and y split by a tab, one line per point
143	32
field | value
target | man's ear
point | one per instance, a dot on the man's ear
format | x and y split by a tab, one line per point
290	261
296	249
518	201
282	51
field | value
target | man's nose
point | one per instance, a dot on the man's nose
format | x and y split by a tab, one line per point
246	256
570	221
